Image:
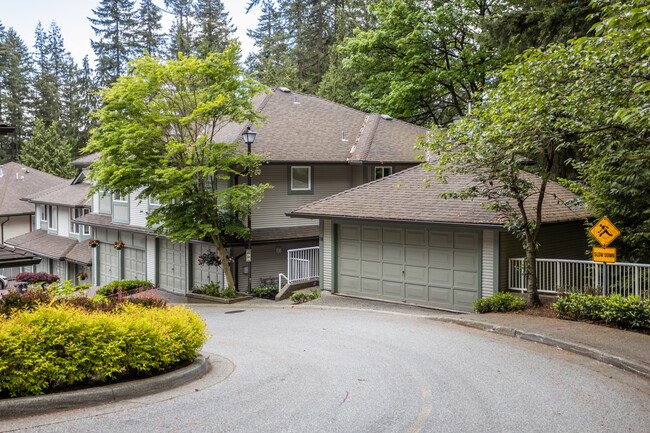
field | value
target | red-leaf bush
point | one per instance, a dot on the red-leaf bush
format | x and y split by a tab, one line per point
36	277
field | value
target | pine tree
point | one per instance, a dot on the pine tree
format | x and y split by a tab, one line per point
116	27
46	151
46	103
148	34
180	35
15	71
214	25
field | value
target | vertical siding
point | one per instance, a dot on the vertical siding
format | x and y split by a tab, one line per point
328	180
326	272
204	274
64	221
95	203
357	174
487	264
151	259
557	241
138	209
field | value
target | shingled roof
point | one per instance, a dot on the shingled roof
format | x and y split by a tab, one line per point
403	197
53	246
306	128
11	256
72	195
30	181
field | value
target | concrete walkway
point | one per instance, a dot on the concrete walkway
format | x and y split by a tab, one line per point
623	349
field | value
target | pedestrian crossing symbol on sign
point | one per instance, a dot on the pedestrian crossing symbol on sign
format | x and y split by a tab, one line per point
604	232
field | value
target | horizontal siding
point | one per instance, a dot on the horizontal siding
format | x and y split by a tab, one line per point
151	259
138	209
557	241
487	264
326	272
328	180
16	226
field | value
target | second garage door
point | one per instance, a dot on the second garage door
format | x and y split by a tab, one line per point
135	264
430	267
171	266
109	265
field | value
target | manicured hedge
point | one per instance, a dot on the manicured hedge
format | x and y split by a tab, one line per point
499	302
616	310
36	277
55	346
123	285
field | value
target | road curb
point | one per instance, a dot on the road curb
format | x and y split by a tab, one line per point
579	349
42	404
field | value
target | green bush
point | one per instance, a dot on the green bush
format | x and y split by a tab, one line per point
300	297
112	289
14	301
53	347
616	310
500	302
266	292
213	288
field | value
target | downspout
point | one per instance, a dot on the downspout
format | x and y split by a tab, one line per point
2	231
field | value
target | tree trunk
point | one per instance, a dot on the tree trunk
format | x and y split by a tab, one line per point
224	260
532	301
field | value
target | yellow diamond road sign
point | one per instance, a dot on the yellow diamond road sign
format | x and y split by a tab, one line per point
604	232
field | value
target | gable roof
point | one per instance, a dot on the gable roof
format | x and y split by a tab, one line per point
30	181
57	247
71	194
402	197
85	160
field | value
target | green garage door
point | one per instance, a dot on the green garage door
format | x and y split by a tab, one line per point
135	264
429	267
109	269
171	266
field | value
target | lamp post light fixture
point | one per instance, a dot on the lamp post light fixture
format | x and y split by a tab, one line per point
249	138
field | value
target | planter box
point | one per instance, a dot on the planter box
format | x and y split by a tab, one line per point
218	300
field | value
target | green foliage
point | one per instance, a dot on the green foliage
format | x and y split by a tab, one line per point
158	136
316	293
213	288
301	297
616	310
47	151
499	303
65	289
266	292
53	347
117	286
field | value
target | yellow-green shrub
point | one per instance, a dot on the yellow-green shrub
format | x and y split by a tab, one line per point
54	346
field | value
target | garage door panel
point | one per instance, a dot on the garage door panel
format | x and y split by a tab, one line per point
350	232
441	239
416	274
440	258
135	264
393	236
370	269
464	298
417	291
393	290
372	234
390	271
350	249
416	255
171	266
466	241
350	267
465	280
440	277
370	286
440	295
349	283
371	251
415	237
393	253
465	260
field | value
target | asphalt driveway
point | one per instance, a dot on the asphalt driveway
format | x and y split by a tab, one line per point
310	370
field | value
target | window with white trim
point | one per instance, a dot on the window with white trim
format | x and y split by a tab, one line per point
120	199
51	217
43	212
301	179
383	171
75	228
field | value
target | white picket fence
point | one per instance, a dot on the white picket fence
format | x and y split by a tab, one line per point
302	265
582	276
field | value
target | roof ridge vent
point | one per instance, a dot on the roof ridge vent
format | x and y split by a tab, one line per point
386	117
284	89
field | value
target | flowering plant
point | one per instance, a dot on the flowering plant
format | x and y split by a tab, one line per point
83	276
210	258
93	243
118	245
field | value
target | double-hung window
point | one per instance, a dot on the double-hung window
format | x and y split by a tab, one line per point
51	217
76	228
301	179
43	213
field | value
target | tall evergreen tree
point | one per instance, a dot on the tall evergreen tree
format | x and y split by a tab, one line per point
47	151
181	34
149	37
46	99
15	71
116	27
215	27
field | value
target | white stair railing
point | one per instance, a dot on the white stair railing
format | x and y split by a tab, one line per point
302	265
